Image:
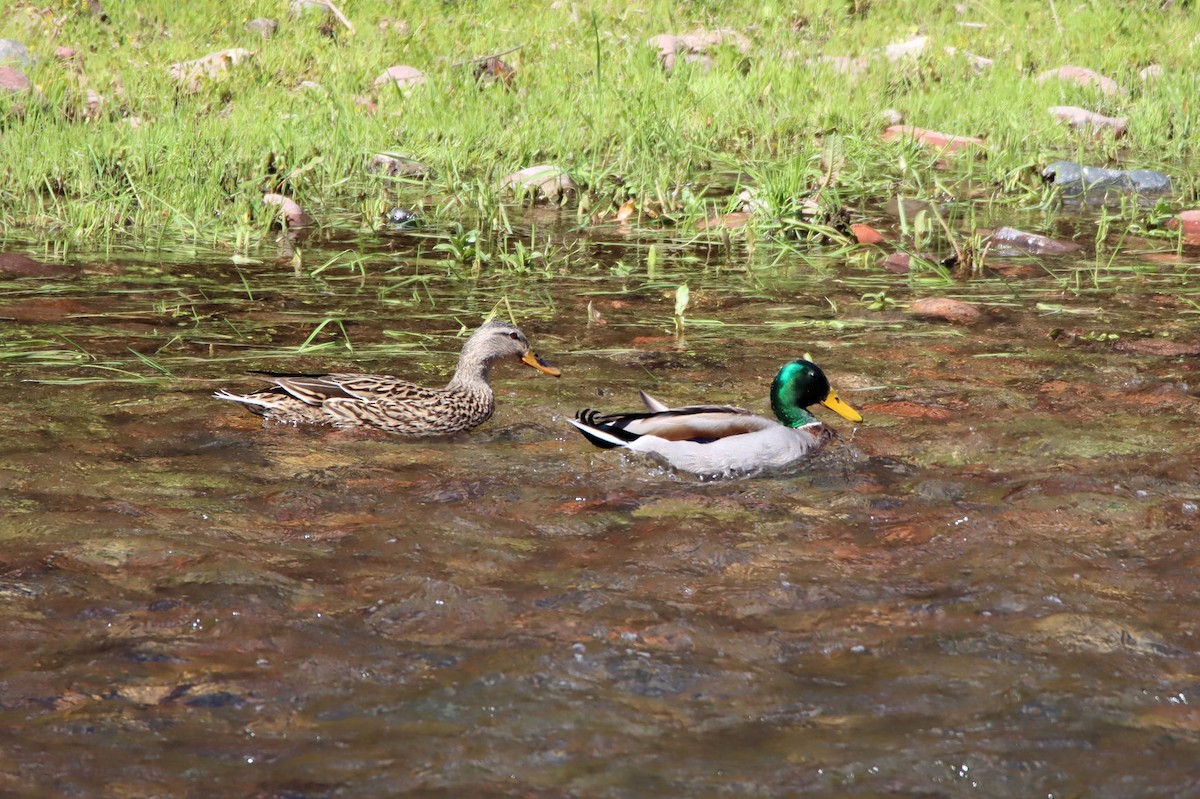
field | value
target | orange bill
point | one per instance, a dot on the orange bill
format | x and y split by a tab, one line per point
835	404
537	363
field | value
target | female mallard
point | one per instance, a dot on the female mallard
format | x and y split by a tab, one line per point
721	440
395	405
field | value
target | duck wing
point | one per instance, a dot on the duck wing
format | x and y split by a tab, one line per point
699	423
317	389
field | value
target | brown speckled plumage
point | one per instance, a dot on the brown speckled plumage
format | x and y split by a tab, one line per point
389	403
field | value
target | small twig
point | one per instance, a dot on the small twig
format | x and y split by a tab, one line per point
337	12
486	57
1054	13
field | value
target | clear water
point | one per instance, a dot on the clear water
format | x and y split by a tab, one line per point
988	589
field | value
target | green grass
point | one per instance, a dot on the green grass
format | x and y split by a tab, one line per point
588	95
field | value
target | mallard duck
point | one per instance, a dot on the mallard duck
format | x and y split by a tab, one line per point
721	440
398	406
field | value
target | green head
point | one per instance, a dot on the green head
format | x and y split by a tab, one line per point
800	384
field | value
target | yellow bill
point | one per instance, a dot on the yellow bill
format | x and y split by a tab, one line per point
537	363
835	404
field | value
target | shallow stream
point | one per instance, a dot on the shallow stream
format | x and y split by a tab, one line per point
987	589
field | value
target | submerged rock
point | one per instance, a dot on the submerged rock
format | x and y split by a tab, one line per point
1032	243
13	264
541	182
905	206
734	219
945	309
898	263
1075	179
1159	346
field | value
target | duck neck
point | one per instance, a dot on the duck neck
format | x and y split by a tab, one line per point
791	415
471	374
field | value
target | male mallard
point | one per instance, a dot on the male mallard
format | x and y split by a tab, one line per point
721	440
395	405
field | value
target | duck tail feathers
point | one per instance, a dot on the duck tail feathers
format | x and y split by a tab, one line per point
598	436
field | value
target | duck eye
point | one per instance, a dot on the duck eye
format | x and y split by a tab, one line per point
514	336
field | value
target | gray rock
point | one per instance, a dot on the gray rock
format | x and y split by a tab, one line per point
13	52
263	26
540	182
298	8
395	165
1010	239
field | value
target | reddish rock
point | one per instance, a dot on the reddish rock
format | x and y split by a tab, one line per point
1189	221
293	214
1079	118
13	80
1084	77
866	234
945	309
402	76
907	410
932	139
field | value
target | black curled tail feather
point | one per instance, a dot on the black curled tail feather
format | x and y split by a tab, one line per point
609	424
